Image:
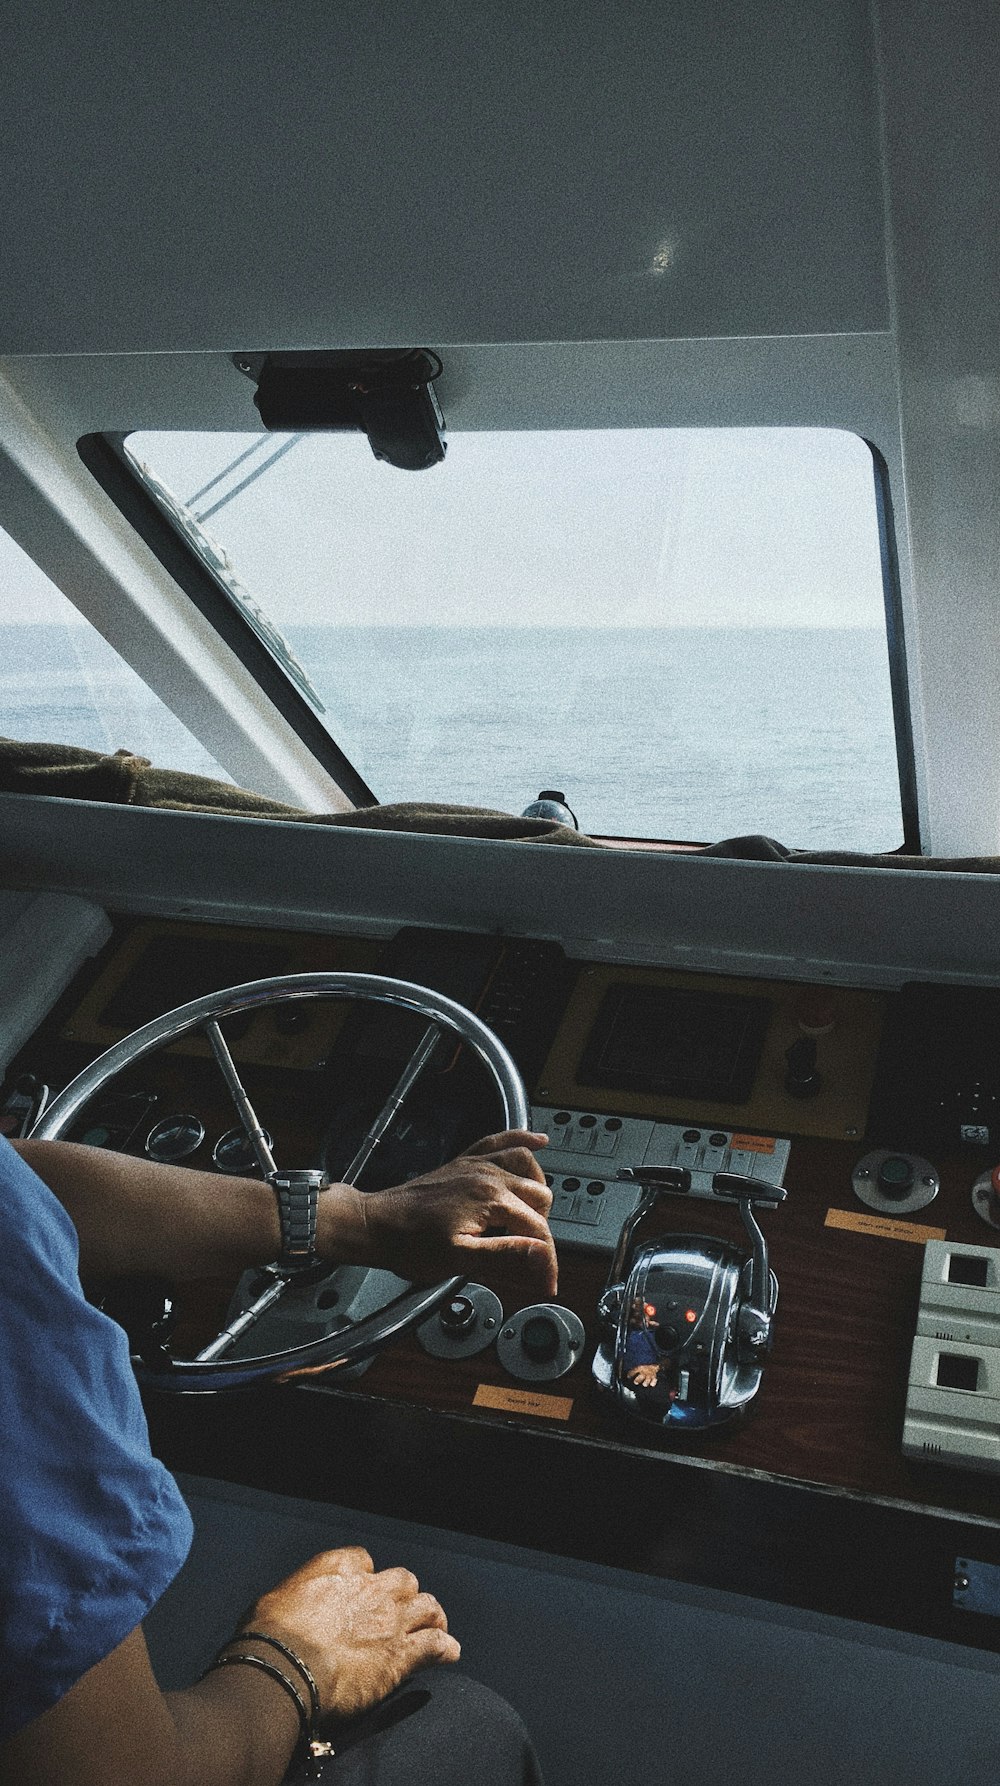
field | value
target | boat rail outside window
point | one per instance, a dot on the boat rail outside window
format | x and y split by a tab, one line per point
62	683
692	632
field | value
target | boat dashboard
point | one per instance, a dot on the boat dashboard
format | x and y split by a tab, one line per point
876	1109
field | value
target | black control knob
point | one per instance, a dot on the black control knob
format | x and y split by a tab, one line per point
801	1077
458	1316
994	1203
895	1175
540	1339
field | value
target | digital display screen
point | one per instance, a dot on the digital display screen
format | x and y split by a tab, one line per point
678	1043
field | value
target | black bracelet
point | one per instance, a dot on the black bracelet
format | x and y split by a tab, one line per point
313	1749
290	1656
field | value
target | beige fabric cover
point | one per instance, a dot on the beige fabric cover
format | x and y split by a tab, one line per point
129	780
125	779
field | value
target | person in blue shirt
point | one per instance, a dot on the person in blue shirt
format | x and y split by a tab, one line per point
93	1528
649	1367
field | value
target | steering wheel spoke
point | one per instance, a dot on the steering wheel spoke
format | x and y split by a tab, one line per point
214	1369
244	1109
394	1102
243	1322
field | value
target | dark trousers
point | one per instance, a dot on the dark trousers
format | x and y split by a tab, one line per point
438	1729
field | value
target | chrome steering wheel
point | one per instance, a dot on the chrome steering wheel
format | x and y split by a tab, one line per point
211	1369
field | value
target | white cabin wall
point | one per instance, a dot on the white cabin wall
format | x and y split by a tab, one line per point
940	79
606	182
214	178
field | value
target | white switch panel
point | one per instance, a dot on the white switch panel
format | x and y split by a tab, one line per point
953	1398
587	1150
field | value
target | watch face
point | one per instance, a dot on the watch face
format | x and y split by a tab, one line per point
234	1153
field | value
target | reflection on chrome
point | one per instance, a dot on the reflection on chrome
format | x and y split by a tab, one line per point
687	1317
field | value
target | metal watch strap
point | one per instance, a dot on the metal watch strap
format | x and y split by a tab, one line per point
298	1196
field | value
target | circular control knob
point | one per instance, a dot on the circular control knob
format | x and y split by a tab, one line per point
895	1176
540	1339
458	1315
541	1342
816	1011
463	1326
895	1183
801	1077
986	1197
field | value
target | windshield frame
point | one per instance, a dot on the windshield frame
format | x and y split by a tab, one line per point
107	459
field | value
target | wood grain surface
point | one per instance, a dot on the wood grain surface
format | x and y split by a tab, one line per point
830	1410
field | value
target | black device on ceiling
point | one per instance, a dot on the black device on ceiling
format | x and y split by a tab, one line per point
387	395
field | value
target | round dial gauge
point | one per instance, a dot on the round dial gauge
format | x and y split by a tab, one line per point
233	1153
174	1137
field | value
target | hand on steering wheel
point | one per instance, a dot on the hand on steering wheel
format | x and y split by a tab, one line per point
501	1190
487	1207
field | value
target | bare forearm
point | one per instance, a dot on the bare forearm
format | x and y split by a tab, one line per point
115	1728
235	1728
136	1217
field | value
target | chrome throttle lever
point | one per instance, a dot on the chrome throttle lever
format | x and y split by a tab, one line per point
703	1366
753	1322
657	1182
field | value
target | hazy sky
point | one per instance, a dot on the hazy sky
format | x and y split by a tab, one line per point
765	527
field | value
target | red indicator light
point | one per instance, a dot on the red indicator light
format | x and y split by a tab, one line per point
690	1314
649	1308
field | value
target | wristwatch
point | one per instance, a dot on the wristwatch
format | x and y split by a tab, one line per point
298	1198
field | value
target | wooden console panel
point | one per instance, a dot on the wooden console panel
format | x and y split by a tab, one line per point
816	1470
830	1410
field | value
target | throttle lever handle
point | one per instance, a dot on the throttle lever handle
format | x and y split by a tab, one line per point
659	1178
738	1189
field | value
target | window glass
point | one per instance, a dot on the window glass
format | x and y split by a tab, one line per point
682	630
61	682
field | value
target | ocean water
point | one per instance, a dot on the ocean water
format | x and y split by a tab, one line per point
687	733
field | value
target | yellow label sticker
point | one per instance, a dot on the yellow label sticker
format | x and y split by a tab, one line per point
752	1144
523	1401
887	1227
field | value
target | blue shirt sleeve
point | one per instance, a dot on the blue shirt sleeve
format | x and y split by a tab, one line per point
92	1527
640	1348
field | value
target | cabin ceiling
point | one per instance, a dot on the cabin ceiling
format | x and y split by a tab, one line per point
202	179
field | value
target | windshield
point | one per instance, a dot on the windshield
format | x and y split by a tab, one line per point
62	683
682	630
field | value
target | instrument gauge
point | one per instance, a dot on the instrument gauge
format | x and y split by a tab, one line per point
233	1153
174	1138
